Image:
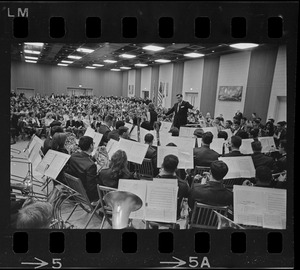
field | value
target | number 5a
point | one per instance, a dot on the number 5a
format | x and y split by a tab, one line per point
193	262
56	264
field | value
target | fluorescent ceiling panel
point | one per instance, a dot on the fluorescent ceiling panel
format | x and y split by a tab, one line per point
125	55
162	61
98	65
74	57
110	61
67	62
115	69
243	46
125	67
84	50
194	55
153	48
31	57
32	52
38	44
30	61
90	67
141	65
63	65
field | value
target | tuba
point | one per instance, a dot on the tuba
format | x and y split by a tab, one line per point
122	204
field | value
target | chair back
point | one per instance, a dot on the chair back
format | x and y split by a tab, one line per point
145	170
105	209
229	183
76	184
203	215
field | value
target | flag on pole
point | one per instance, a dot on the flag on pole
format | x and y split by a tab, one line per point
160	95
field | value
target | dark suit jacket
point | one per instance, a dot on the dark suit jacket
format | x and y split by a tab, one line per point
211	193
259	159
47	145
152	154
83	167
104	129
204	156
180	117
70	123
106	178
233	154
183	190
114	134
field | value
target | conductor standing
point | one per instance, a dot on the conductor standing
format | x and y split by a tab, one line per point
180	110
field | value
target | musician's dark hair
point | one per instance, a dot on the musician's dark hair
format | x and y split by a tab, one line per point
85	143
170	163
149	138
236	141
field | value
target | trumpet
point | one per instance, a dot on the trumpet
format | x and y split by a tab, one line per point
122	204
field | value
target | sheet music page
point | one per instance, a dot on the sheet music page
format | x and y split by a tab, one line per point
139	188
97	139
268	144
143	133
129	126
134	134
56	165
187	132
183	142
165	138
186	158
135	151
46	161
246	146
163	151
229	133
171	182
246	166
259	206
38	140
233	169
89	132
111	147
34	152
165	127
213	130
217	145
161	202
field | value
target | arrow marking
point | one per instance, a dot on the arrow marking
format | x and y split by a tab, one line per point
178	263
39	264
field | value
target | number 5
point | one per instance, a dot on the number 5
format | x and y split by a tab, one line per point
193	262
57	262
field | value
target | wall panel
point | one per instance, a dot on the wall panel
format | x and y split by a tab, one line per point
166	76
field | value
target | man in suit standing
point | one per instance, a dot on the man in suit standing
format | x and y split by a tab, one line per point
82	166
180	110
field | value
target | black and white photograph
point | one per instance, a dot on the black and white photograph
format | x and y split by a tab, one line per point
87	154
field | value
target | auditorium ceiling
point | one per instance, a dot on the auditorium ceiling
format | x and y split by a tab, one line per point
98	53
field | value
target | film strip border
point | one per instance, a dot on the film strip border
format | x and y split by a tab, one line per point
209	22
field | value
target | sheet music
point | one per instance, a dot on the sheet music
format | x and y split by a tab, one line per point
135	151
139	188
268	144
34	153
246	147
129	126
216	145
111	147
238	167
187	132
134	134
172	182
213	130
260	206
90	132
52	163
185	156
96	137
161	202
165	127
180	142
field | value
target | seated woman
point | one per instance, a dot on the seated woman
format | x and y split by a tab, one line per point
117	170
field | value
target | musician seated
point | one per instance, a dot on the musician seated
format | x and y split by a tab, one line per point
260	159
168	170
234	146
114	134
281	163
36	215
118	169
151	152
213	191
48	142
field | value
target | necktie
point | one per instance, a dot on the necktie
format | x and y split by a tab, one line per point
178	106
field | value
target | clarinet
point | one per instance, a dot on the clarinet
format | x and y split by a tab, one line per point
157	133
138	128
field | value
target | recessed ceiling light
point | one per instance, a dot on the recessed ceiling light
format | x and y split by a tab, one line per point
193	55
38	44
32	52
67	62
125	55
63	65
90	67
153	48
74	57
30	61
84	50
162	61
115	69
141	65
125	67
110	61
98	65
31	57
243	46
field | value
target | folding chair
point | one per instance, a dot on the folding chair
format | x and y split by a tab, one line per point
105	209
203	216
81	198
145	170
